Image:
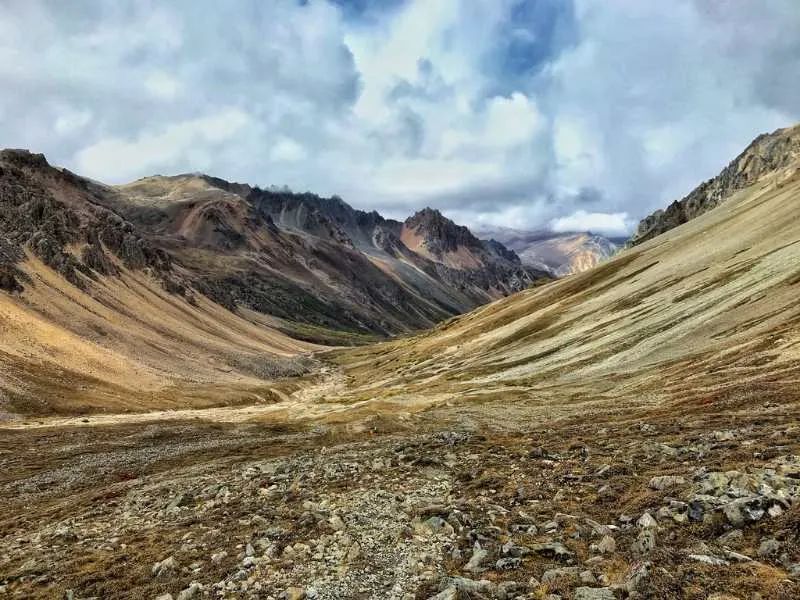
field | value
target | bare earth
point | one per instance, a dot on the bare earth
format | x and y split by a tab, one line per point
629	432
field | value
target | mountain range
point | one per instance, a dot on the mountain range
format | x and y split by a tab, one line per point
628	431
135	275
559	253
311	262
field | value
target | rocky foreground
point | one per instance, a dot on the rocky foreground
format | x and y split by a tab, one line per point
460	502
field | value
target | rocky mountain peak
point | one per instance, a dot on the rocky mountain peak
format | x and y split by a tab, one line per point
775	155
439	233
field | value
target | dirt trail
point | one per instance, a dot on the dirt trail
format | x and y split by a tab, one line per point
313	402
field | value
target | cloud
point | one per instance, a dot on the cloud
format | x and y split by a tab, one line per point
118	159
612	224
530	113
287	150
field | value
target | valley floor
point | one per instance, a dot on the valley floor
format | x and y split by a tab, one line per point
479	500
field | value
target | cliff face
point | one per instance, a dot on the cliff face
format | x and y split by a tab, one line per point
770	157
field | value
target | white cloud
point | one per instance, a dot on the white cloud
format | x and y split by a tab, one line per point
287	150
162	85
467	105
118	159
71	121
614	224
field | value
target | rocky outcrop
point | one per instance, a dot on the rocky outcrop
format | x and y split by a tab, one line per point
439	234
50	213
775	156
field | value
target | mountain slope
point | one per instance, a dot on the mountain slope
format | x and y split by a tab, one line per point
559	253
310	261
707	305
772	157
93	316
180	291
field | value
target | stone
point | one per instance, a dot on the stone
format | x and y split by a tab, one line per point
742	511
478	556
644	543
696	510
165	568
664	482
769	548
646	521
638	574
709	560
569	573
294	593
588	593
555	550
189	593
218	557
337	523
508	564
607	545
732	537
161	597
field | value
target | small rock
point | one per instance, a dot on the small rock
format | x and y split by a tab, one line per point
666	481
645	542
191	592
646	521
731	538
294	593
769	547
588	593
165	568
709	560
478	556
555	550
569	573
508	564
607	545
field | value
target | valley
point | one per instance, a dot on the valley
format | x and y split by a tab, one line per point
629	431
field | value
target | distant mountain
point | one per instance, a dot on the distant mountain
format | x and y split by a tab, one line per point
557	253
319	269
770	158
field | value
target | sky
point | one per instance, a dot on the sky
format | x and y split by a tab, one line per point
532	114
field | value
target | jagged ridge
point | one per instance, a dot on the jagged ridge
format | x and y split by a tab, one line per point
776	154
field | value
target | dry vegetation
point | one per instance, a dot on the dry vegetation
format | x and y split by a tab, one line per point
631	431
